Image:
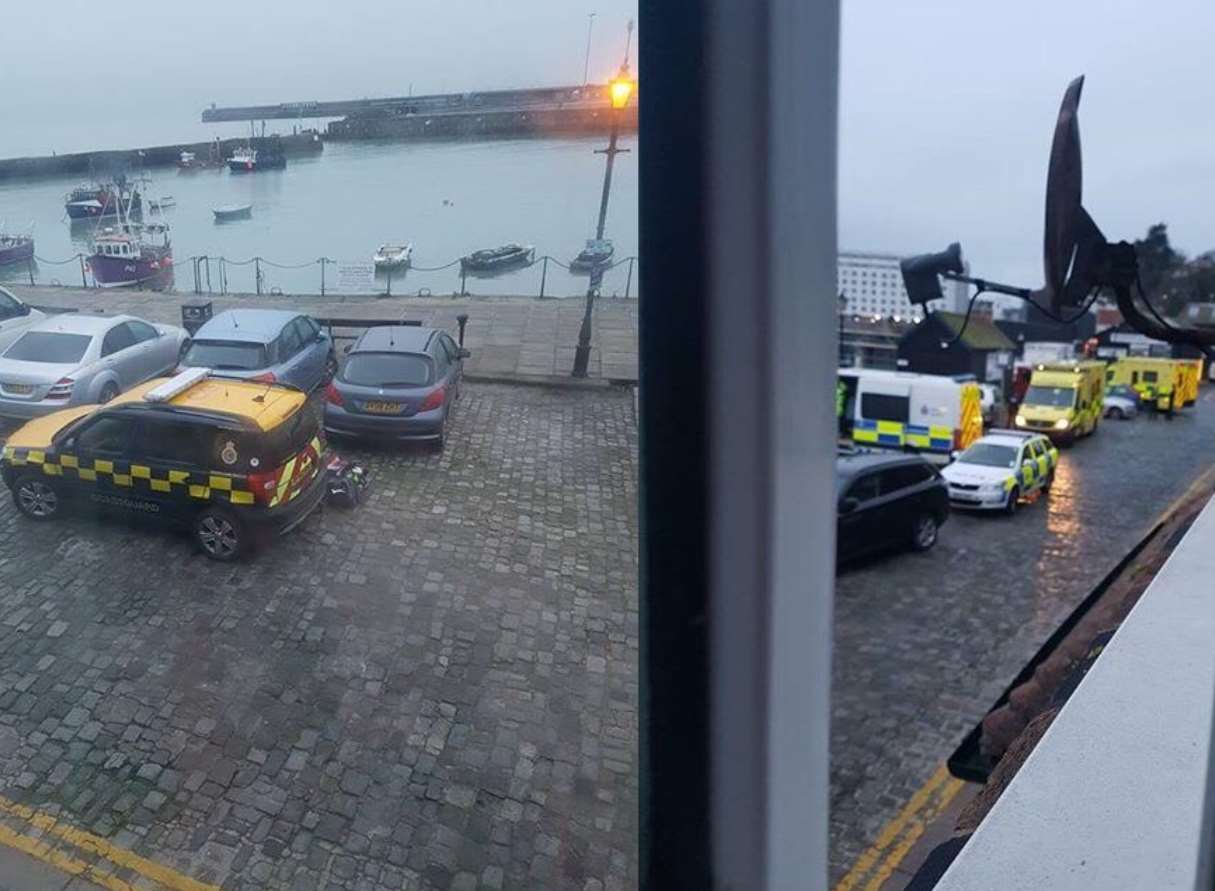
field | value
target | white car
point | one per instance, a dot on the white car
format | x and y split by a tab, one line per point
1000	469
16	316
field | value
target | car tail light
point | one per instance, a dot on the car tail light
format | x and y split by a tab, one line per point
61	389
263	485
434	400
266	377
333	395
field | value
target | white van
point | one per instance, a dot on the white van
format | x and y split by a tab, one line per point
927	413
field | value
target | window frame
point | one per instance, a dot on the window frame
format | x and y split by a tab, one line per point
113	331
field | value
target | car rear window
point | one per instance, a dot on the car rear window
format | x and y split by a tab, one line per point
49	346
226	354
387	370
271	447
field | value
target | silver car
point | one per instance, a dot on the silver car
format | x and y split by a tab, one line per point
75	359
1121	402
269	345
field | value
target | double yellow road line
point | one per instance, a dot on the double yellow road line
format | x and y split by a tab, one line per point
79	853
881	859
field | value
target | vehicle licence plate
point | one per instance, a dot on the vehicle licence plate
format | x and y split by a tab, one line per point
19	389
383	408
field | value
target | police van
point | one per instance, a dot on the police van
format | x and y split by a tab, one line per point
926	413
234	461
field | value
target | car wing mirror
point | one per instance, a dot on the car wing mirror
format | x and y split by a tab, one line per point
848	505
347	348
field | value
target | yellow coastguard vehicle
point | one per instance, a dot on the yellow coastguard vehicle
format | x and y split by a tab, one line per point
1162	383
232	460
1064	400
926	413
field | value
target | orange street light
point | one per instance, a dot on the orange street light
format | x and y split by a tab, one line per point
620	88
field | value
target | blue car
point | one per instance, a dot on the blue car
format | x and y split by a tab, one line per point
271	345
397	382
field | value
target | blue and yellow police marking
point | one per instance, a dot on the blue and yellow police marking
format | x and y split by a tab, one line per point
875	865
934	438
80	853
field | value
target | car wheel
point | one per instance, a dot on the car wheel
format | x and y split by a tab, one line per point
924	532
441	440
1014	496
1117	414
1048	482
218	534
181	352
35	496
108	392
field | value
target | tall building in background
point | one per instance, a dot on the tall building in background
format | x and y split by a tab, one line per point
873	286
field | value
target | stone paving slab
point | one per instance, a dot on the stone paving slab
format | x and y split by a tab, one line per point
507	335
437	690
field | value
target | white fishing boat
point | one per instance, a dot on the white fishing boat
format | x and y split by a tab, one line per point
393	256
232	212
163	203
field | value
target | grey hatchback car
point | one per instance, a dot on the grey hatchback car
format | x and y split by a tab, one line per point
271	345
397	382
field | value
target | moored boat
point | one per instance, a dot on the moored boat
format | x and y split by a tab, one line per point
15	249
508	256
95	202
131	255
597	254
232	212
265	153
393	256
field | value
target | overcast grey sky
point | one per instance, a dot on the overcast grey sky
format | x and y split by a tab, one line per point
948	106
945	116
79	76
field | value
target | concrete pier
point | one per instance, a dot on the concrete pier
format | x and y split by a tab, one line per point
102	163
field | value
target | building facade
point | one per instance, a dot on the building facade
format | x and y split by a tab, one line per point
873	286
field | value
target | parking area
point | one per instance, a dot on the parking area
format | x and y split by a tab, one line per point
436	690
925	643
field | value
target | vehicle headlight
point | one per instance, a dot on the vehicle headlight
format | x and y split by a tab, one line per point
1061	424
1020	421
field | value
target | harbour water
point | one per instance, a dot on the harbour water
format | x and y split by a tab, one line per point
448	199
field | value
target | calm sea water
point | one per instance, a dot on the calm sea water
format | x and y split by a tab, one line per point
447	198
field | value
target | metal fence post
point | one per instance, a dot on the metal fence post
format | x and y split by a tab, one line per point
322	276
389	271
223	276
628	282
30	265
84	282
257	273
462	320
543	275
208	259
463	281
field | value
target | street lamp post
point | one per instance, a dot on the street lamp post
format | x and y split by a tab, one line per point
620	89
586	66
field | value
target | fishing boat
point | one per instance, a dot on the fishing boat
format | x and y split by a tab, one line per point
132	254
94	202
597	254
508	256
189	161
15	249
162	203
264	153
393	256
232	212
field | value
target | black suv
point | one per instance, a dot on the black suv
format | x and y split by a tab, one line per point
887	500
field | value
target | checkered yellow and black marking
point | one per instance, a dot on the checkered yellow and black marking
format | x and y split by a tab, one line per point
203	486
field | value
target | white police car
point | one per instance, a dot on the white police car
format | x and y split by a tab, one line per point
1000	469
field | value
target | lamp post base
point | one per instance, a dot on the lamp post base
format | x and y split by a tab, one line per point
582	353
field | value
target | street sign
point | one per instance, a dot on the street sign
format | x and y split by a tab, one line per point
357	276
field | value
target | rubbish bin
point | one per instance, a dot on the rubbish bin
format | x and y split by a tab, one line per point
195	314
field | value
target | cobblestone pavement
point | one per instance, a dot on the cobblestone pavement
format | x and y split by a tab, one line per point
924	644
437	690
521	336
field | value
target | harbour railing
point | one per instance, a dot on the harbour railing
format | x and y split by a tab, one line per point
204	274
